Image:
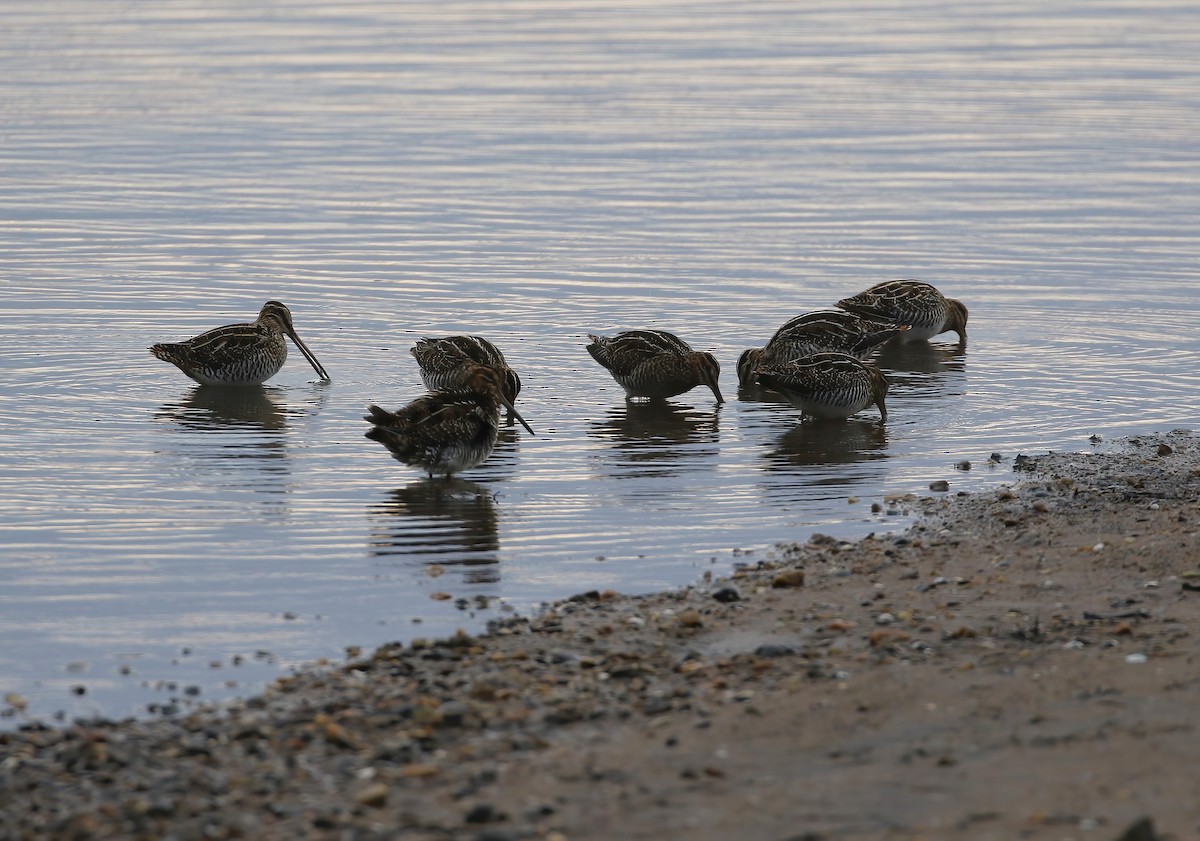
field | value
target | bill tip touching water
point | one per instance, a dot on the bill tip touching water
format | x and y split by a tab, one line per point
239	354
828	384
448	430
920	305
813	332
820	361
655	364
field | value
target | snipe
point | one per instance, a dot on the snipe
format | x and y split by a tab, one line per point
814	332
828	384
445	363
655	364
446	431
925	310
239	354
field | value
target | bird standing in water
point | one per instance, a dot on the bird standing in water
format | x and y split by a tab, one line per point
828	384
813	332
239	354
655	364
445	363
925	310
446	431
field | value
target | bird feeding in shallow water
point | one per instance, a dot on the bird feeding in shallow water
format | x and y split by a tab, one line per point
446	431
814	332
828	384
239	354
655	364
925	310
446	363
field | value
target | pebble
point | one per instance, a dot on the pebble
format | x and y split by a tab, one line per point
483	813
727	593
941	485
408	727
788	578
375	796
690	619
774	649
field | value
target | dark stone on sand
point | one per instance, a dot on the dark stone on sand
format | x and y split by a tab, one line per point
726	594
1140	830
774	649
484	813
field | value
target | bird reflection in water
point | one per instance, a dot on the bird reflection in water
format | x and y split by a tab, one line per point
239	428
656	438
215	407
924	370
261	408
815	443
442	521
245	425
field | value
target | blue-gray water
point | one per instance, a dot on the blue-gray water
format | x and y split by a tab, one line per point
531	172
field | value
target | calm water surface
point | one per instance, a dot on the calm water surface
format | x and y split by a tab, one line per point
532	172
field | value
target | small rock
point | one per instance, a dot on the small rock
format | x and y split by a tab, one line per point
884	637
690	619
1164	450
483	813
374	796
727	593
656	705
774	649
419	771
788	578
1140	830
884	619
1136	658
941	485
962	465
452	713
929	585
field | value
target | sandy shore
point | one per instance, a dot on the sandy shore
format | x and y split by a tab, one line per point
1022	664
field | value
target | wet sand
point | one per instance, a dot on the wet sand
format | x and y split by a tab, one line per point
1020	664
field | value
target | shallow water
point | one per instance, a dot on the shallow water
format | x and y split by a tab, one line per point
532	172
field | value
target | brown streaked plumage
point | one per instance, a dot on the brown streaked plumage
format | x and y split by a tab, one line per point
445	362
655	364
239	354
921	306
813	332
828	384
447	431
